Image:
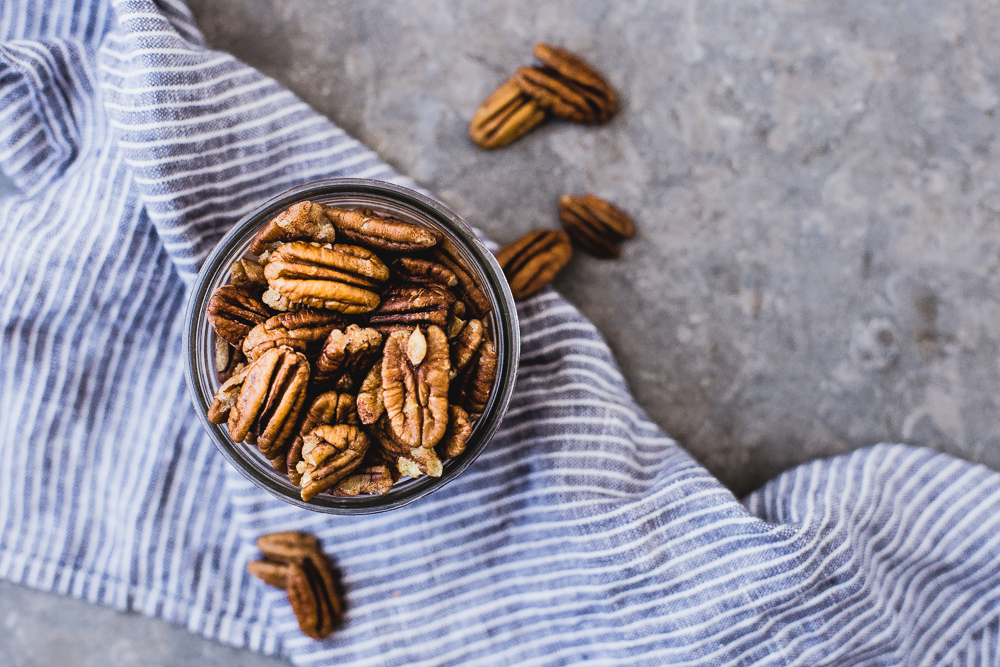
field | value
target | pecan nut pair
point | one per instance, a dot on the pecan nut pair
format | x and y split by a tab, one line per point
404	401
293	561
262	402
415	379
563	85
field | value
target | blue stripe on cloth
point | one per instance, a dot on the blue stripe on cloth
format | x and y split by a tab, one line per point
582	534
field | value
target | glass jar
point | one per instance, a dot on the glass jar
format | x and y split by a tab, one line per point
384	198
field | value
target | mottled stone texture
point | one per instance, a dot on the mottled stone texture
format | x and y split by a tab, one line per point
816	188
46	630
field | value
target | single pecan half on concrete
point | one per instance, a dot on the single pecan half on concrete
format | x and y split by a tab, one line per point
377	231
595	224
340	277
328	408
567	86
302	331
346	353
329	454
303	220
415	369
233	311
531	262
272	395
508	114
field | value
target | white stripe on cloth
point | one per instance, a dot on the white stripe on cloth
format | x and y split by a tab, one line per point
583	534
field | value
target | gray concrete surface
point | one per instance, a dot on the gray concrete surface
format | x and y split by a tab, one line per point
45	630
816	187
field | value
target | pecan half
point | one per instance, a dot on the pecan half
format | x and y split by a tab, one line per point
249	275
227	358
233	311
376	480
464	346
301	331
420	461
270	400
329	454
286	546
416	394
341	277
378	231
506	115
345	353
328	408
597	225
371	404
403	459
459	430
313	595
303	220
226	396
567	86
424	271
374	476
274	299
272	574
472	389
468	288
406	306
532	261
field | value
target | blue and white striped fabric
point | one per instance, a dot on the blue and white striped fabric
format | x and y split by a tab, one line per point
582	534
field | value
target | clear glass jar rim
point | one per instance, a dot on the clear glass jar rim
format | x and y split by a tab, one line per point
506	330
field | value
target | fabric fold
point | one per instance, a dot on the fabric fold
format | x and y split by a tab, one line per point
44	105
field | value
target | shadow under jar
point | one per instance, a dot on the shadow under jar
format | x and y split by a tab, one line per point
387	200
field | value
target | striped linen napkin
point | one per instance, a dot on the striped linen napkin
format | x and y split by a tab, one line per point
582	534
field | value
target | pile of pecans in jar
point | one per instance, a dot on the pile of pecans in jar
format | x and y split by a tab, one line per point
353	349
